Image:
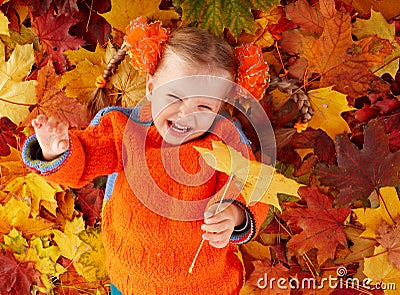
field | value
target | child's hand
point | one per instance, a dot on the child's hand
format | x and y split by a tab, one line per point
52	136
219	227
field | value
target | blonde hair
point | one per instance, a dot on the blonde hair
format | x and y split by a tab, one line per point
195	47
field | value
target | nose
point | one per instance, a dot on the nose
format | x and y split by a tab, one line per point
186	108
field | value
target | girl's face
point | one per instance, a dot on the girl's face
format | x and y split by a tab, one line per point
184	101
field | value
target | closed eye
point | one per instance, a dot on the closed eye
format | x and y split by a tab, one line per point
205	107
174	97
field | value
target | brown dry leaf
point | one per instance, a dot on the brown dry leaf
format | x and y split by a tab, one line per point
52	102
389	237
307	17
362	247
388	8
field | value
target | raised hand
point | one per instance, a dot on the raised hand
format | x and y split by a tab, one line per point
52	136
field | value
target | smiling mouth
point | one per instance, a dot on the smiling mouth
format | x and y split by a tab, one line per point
178	128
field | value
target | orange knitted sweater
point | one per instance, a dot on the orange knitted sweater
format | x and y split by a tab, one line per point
148	253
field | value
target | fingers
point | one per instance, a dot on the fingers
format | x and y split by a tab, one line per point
51	124
218	240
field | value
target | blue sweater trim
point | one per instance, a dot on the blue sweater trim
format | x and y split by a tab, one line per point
31	155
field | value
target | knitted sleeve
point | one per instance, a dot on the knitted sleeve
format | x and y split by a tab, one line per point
254	214
93	152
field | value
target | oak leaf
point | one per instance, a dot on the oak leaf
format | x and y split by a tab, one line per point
322	225
16	94
389	237
327	105
122	12
360	172
16	278
54	36
52	102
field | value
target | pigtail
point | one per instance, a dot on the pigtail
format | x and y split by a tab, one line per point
99	99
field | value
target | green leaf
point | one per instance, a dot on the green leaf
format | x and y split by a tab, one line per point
217	15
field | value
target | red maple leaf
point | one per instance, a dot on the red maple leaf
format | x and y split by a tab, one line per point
16	277
322	225
53	102
9	136
54	36
360	172
90	201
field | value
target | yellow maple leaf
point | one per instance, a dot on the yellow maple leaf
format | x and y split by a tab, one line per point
130	83
12	166
35	188
378	269
80	82
327	105
95	257
259	182
15	213
377	25
4	24
16	95
71	246
122	12
388	210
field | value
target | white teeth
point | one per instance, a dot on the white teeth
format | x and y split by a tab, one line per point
179	128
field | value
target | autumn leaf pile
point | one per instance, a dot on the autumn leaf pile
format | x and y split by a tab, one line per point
334	104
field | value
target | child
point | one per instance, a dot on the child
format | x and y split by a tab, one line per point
153	223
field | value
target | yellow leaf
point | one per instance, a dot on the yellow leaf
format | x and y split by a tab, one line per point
388	210
131	84
16	94
95	257
71	246
15	242
328	105
45	258
279	98
304	152
13	166
377	25
378	269
35	188
16	214
80	82
4	25
260	182
256	251
122	12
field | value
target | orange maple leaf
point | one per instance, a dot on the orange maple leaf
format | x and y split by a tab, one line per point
322	225
53	102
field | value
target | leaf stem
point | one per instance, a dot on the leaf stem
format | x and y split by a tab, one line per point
216	212
280	59
17	103
384	204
